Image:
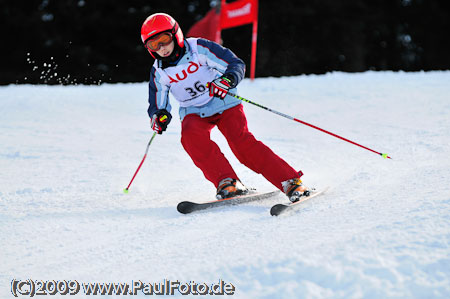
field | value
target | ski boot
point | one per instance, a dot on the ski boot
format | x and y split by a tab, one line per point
294	189
230	187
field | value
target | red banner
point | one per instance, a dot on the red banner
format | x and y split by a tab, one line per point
238	13
206	27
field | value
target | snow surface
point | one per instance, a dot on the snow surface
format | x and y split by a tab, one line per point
382	230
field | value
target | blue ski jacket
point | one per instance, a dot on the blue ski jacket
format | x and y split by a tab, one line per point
202	62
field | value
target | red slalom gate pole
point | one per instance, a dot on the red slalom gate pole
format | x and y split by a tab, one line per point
140	164
308	124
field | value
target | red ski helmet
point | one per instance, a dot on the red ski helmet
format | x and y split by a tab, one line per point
161	22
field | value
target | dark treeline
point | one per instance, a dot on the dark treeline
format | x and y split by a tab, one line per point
96	41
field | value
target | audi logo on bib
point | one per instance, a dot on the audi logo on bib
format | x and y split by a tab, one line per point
192	68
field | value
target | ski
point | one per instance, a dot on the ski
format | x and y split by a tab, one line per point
280	208
187	207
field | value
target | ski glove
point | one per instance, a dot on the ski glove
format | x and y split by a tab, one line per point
160	120
220	86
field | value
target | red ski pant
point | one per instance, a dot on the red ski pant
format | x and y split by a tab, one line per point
232	123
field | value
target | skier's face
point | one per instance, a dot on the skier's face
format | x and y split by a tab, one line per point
166	50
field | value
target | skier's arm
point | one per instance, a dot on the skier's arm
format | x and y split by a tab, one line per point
158	94
222	59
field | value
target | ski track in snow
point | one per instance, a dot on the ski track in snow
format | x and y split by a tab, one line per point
382	230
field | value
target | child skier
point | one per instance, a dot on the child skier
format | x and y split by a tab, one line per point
199	73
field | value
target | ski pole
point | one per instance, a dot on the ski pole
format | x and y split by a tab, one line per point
139	167
307	124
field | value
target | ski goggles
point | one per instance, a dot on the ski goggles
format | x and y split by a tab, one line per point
155	43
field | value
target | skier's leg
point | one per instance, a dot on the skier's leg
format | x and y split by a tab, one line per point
206	155
253	153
